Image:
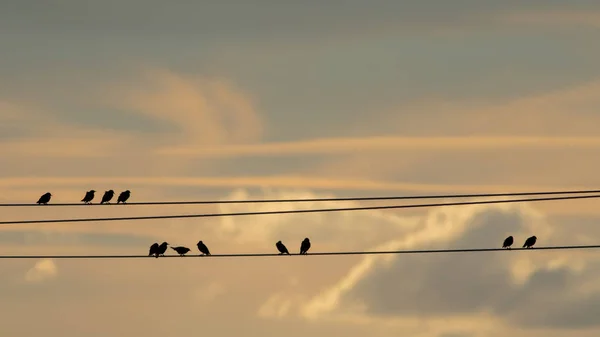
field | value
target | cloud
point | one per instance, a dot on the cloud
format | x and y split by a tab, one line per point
555	18
534	122
531	290
274	293
463	293
204	111
189	111
44	237
274	181
352	145
210	292
43	270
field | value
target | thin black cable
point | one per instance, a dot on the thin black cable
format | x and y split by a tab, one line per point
156	217
205	202
427	251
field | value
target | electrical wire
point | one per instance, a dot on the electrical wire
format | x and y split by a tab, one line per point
427	251
207	215
205	202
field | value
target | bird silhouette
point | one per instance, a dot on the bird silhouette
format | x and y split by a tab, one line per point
123	196
108	195
44	199
281	248
202	248
508	242
162	249
530	242
181	250
153	250
89	196
305	246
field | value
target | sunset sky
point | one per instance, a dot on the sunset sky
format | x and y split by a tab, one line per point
240	99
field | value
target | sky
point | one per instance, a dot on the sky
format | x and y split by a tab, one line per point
236	100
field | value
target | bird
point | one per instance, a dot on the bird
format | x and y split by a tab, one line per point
153	250
530	242
44	199
181	250
202	248
305	246
89	196
161	249
281	248
108	195
124	196
508	242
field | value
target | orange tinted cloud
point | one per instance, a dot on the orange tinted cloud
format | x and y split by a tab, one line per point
206	111
382	143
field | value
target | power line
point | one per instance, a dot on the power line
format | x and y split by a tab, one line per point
207	215
426	251
205	202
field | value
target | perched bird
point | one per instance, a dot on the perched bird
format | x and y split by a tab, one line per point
153	250
108	195
305	246
530	242
161	249
508	242
281	248
124	196
202	248
44	199
181	250
89	196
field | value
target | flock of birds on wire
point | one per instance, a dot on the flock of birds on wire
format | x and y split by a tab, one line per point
157	250
89	196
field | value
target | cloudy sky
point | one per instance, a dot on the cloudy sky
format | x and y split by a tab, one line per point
278	99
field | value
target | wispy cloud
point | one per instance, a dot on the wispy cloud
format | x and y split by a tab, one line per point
282	181
204	111
355	145
555	18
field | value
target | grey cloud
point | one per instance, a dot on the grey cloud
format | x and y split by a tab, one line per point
243	18
548	300
470	283
56	238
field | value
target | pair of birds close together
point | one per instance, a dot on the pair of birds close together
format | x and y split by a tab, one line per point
89	196
528	243
158	250
304	247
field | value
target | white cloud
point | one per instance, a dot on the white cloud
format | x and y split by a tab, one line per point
530	290
43	270
335	230
209	292
503	288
